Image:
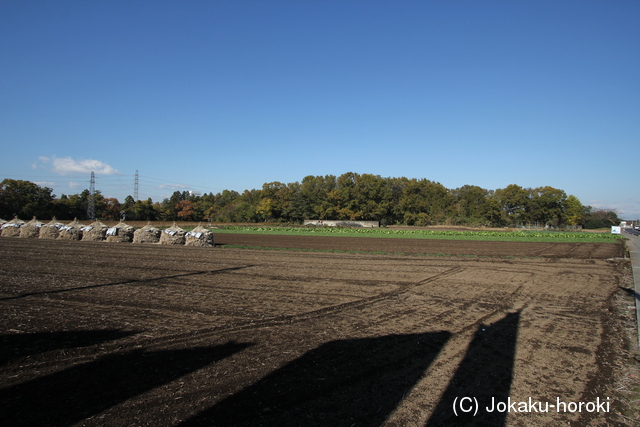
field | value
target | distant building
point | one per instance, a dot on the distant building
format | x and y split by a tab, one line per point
341	223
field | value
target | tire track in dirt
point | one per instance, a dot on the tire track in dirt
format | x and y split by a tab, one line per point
314	314
124	282
506	304
287	319
543	249
151	341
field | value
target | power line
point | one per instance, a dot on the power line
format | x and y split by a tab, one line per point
135	188
172	182
151	187
91	209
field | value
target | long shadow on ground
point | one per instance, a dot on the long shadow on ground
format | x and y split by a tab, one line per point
631	292
341	383
18	345
69	396
485	374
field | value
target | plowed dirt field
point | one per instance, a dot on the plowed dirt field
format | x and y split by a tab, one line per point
426	246
116	334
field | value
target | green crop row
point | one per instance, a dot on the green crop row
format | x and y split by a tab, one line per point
524	235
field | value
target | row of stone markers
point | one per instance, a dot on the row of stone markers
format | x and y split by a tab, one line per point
97	231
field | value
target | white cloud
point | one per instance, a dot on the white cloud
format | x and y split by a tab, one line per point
67	165
45	183
74	184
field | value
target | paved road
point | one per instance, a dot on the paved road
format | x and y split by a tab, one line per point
634	252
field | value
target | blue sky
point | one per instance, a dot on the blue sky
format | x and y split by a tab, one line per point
214	95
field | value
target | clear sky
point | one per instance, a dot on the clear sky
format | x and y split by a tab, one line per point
214	95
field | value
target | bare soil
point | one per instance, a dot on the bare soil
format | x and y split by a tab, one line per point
427	246
118	334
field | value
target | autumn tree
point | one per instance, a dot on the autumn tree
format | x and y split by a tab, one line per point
111	209
184	210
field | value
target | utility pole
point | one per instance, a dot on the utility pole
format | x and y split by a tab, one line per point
135	188
91	208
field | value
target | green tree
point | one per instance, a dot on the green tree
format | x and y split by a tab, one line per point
514	201
344	197
247	206
600	218
412	204
70	207
99	203
373	197
200	208
25	199
547	206
494	212
128	207
144	210
274	201
423	202
223	206
574	211
295	210
314	191
469	204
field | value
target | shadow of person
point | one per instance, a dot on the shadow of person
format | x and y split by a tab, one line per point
631	292
71	395
341	383
484	374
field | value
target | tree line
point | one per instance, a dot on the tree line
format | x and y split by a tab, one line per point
350	196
